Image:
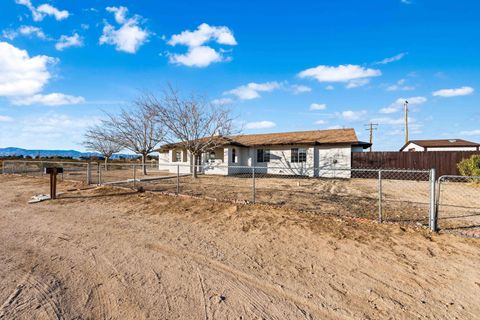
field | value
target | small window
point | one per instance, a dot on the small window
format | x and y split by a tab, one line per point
263	155
178	156
234	155
211	155
299	155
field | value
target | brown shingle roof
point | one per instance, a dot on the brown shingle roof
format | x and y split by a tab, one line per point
335	136
442	143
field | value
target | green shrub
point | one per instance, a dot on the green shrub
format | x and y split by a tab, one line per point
470	166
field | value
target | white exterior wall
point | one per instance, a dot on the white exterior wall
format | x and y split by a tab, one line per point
416	147
413	146
318	158
452	149
332	159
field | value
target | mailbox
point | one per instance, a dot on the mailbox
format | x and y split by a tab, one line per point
53	170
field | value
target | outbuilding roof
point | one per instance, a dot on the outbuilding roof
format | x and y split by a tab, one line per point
442	143
316	137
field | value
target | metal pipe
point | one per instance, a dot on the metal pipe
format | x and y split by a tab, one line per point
178	179
253	185
380	209
433	212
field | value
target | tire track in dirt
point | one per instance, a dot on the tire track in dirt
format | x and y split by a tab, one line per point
33	295
248	280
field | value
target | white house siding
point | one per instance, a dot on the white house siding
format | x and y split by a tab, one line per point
452	149
413	147
334	161
416	147
319	160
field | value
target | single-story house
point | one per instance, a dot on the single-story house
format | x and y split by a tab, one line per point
440	145
287	153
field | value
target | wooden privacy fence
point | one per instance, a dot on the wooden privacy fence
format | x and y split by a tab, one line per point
444	162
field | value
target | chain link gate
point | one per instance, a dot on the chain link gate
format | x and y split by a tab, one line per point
458	205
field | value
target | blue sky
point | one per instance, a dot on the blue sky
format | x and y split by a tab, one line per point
281	66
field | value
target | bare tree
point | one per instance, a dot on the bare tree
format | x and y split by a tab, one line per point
194	123
137	129
98	140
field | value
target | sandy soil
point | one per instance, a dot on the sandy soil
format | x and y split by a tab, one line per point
109	253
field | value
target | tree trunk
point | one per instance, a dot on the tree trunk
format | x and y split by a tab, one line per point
144	159
194	164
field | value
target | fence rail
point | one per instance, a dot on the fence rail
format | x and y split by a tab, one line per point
386	195
444	162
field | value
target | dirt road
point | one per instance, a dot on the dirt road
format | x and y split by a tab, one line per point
112	254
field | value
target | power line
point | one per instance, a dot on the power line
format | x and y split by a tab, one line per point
371	127
406	120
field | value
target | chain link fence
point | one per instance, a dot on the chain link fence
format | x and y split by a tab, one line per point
386	195
458	204
403	196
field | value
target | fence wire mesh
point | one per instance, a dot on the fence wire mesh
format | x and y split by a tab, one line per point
385	195
458	204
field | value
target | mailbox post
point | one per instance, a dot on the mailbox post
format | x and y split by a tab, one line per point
53	171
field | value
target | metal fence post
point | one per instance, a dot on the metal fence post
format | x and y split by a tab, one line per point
433	212
380	209
178	179
253	185
89	172
135	176
99	174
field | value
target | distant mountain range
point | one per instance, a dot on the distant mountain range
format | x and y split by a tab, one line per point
10	152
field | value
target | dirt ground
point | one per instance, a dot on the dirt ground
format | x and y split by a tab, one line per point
109	253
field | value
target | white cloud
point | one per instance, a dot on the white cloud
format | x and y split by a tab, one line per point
320	122
52	11
200	57
392	59
329	87
392	121
406	1
199	54
335	127
120	14
471	133
52	99
400	86
260	125
204	34
398	104
6	119
69	41
354	75
351	115
318	106
43	10
222	101
21	74
298	88
463	91
129	37
28	31
252	90
357	83
31	30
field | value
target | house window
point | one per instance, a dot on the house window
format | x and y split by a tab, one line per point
299	155
263	155
178	156
211	155
234	155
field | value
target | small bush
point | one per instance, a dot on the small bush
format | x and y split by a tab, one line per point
470	166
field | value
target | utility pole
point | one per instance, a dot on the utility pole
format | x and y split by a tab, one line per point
406	121
371	127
